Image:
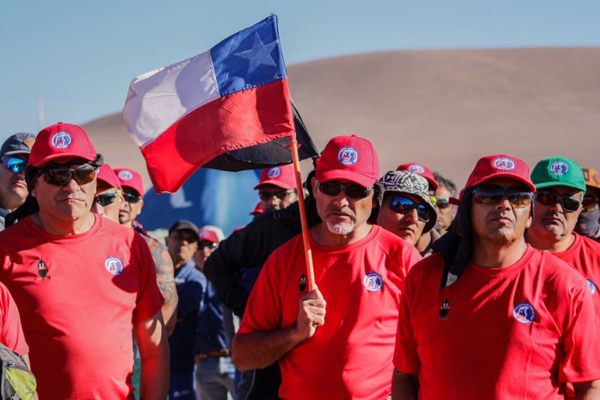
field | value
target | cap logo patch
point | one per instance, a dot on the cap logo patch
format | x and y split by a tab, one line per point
559	168
114	265
203	234
505	164
125	175
348	155
274	172
592	286
416	169
373	281
524	313
61	140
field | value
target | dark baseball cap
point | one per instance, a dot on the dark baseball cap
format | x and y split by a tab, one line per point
183	225
19	143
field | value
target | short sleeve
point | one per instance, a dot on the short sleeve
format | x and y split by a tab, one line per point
149	300
263	311
11	332
581	360
406	358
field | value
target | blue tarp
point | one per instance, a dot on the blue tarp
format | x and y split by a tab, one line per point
209	197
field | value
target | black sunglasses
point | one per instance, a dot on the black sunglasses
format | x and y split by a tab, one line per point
210	245
132	198
14	164
550	198
494	195
106	199
61	176
352	190
404	205
266	194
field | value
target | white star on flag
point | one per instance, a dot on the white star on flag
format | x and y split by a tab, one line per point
259	54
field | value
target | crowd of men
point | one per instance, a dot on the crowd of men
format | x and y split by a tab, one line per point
421	292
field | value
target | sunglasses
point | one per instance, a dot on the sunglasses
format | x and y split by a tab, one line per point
550	198
210	245
132	198
404	205
266	195
352	190
108	198
14	164
442	203
61	176
494	195
590	201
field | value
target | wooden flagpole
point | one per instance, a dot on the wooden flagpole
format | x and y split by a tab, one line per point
305	232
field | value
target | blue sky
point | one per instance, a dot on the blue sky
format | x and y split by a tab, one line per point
81	55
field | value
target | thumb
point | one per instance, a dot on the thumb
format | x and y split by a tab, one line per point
318	293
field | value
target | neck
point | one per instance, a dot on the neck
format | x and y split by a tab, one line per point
9	205
549	242
423	242
495	254
178	263
67	227
128	224
322	235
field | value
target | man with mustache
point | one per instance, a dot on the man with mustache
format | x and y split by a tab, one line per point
13	189
490	317
560	184
341	349
82	283
406	210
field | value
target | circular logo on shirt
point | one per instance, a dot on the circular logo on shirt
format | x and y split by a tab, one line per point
591	286
373	281
348	155
61	140
114	265
504	163
274	172
416	169
524	313
559	168
125	175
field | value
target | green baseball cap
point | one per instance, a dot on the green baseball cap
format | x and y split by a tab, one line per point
558	171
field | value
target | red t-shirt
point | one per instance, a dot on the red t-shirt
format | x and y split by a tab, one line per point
350	357
78	297
584	255
517	332
11	331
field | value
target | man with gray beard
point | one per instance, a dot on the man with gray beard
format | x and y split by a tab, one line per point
359	269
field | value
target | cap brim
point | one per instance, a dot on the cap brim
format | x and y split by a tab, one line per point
15	152
274	183
566	184
506	175
53	157
335	174
124	185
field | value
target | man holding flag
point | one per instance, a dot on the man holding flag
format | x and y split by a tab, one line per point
359	269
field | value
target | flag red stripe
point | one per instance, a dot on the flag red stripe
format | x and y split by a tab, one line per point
232	122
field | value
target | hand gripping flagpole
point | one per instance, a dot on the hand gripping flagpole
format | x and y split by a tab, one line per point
305	232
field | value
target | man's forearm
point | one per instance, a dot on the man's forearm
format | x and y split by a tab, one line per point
587	390
154	354
257	350
405	386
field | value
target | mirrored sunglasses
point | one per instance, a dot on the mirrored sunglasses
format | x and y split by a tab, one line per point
443	203
404	205
266	194
14	164
132	198
108	198
61	176
352	190
494	195
550	198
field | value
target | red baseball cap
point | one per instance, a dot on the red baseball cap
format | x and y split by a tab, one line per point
282	176
349	157
208	236
107	175
59	141
130	178
422	170
500	166
257	210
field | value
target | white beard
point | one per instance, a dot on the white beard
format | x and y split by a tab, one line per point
341	228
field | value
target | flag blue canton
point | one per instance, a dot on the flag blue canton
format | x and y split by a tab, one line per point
249	58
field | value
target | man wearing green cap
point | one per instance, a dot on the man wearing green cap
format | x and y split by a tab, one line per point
560	185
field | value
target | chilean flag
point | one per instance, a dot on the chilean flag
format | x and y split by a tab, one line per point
232	97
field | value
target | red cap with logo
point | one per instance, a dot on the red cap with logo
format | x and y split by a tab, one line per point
107	175
282	176
130	178
500	166
422	170
59	141
349	157
208	236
